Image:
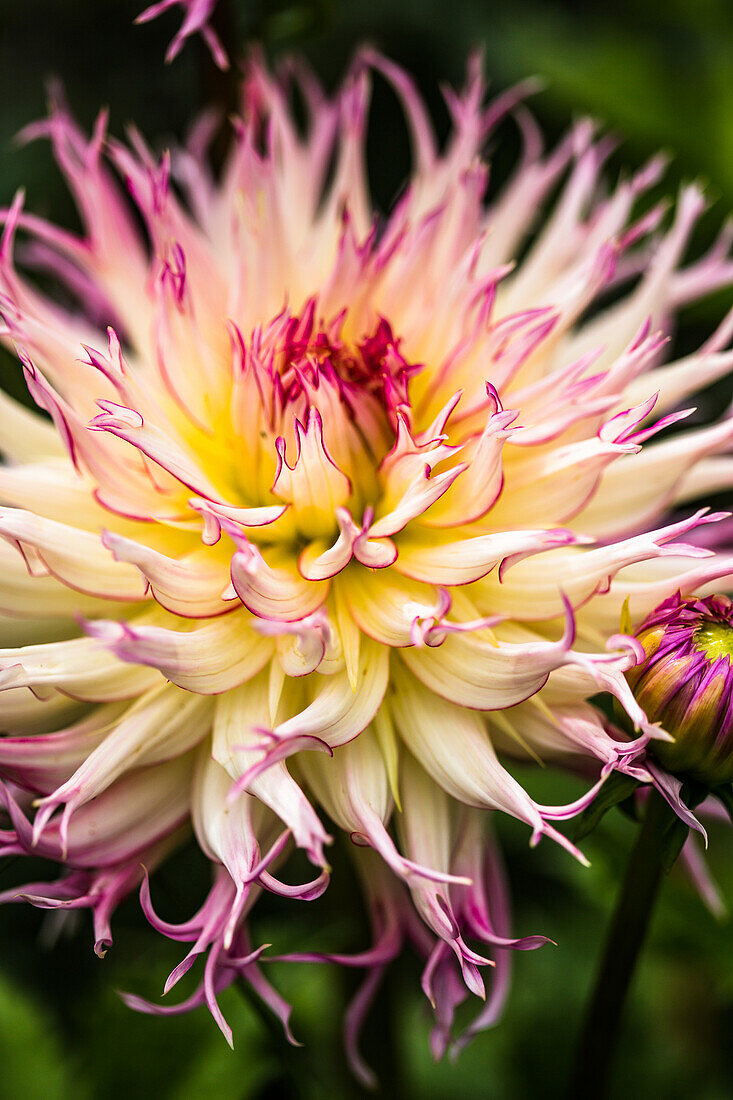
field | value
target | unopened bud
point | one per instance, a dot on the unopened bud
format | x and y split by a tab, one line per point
685	683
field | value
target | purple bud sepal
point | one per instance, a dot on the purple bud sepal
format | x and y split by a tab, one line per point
684	684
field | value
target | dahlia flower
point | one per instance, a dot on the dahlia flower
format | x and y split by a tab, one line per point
337	516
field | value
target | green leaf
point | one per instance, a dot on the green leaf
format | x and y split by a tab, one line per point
35	1062
617	788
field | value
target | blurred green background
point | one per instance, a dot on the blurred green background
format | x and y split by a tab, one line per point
660	74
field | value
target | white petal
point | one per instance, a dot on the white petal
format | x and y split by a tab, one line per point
80	668
438	560
191	586
479	486
276	591
240	716
208	658
476	674
125	819
38	597
464	762
163	724
384	606
42	763
637	489
25	436
78	558
314	486
338	712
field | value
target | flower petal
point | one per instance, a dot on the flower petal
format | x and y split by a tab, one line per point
78	558
482	676
438	560
337	712
208	658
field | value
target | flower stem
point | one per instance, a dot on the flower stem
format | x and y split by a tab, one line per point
599	1032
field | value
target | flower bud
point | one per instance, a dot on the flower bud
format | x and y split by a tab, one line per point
685	683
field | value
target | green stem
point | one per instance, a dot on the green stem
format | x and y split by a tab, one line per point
599	1032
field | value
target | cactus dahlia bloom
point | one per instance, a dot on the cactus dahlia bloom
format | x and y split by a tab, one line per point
338	512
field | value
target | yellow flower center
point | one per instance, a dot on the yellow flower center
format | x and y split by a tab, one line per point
715	640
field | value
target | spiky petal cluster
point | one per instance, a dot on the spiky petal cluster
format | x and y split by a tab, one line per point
336	514
196	15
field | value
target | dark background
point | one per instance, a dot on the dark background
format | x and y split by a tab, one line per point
659	73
